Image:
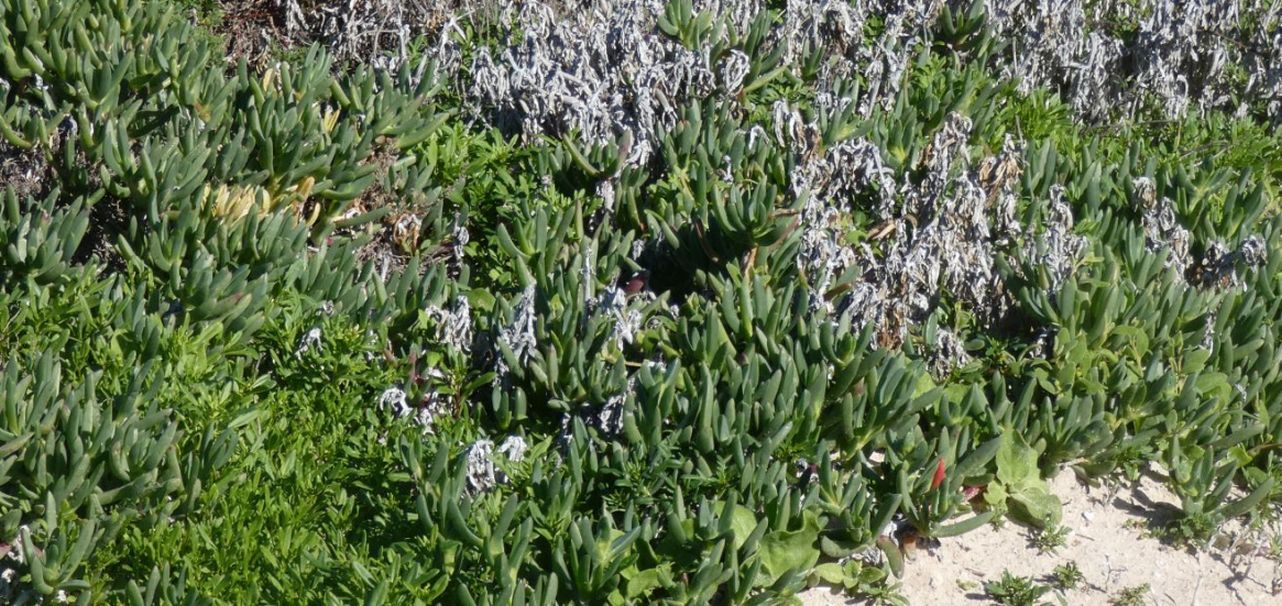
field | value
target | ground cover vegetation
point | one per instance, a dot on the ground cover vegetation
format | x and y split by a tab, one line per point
622	302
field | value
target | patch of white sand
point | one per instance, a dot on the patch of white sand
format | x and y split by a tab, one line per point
1112	548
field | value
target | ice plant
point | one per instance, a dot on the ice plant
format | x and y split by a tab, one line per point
623	301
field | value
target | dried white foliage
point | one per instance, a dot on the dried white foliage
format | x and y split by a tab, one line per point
566	433
10	586
732	70
514	448
1219	265
395	400
9	575
453	325
626	320
610	419
603	67
519	335
460	237
1162	230
1254	251
598	68
948	353
941	237
378	30
829	182
1057	247
311	341
480	467
811	24
1110	55
939	234
823	256
482	474
604	70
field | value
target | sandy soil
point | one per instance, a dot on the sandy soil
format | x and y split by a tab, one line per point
1112	548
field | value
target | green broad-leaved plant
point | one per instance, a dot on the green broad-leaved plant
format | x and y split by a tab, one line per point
1019	488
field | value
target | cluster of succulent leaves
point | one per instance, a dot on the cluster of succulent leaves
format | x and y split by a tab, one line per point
205	303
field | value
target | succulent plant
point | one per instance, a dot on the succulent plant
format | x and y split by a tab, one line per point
624	302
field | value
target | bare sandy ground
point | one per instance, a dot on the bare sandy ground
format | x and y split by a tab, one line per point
1113	548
